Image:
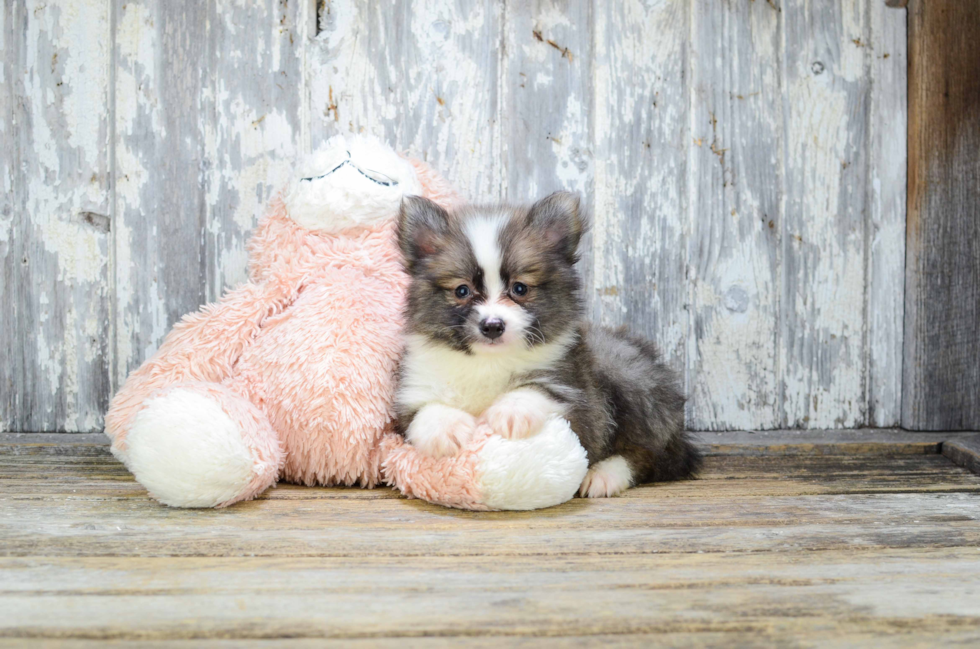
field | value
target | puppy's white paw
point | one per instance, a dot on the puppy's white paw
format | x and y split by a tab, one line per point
606	479
521	413
440	431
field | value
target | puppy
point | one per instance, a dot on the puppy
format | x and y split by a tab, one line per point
496	334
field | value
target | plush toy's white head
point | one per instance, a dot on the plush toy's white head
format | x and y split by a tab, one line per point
350	181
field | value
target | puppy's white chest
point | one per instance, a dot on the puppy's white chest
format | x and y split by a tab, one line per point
467	383
432	373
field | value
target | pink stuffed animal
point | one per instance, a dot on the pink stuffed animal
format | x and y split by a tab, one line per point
291	376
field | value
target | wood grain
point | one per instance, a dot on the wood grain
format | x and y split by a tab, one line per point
416	597
421	75
824	236
209	114
824	442
767	633
736	566
887	156
736	178
86	504
733	471
54	216
942	278
546	99
964	452
160	257
255	103
546	126
745	168
640	234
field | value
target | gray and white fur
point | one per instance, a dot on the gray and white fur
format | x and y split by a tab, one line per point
496	334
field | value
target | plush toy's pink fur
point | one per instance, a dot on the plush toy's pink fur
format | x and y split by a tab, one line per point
303	359
451	481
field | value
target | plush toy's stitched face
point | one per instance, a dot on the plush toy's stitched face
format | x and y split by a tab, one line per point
349	182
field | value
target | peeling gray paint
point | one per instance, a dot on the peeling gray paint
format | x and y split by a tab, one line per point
54	282
744	162
422	75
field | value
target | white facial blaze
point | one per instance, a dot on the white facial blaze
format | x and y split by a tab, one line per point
484	237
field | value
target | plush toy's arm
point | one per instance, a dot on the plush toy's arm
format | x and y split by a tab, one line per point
203	346
492	473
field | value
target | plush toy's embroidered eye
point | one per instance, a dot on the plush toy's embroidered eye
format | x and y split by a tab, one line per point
462	291
520	290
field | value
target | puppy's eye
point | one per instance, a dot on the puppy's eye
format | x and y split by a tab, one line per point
520	290
462	291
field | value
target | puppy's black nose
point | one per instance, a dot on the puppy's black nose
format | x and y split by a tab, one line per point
492	328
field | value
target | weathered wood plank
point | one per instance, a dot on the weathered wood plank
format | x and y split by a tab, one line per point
641	230
546	131
9	177
823	442
770	596
964	452
54	216
870	458
895	635
750	475
768	442
546	103
775	632
421	75
942	279
10	442
735	206
100	486
736	567
208	124
823	241
214	100
82	527
254	106
161	191
887	157
716	466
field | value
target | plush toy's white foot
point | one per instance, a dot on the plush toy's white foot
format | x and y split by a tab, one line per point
606	479
185	449
540	471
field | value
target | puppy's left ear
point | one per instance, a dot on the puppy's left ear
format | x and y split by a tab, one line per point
422	224
559	217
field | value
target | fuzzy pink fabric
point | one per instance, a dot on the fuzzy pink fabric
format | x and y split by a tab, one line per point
303	358
450	481
203	346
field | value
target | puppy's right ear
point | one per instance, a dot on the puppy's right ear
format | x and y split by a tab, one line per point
422	225
559	217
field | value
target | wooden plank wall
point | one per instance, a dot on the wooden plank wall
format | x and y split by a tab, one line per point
55	240
744	161
942	315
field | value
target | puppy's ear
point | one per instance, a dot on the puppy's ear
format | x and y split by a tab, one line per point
422	225
559	218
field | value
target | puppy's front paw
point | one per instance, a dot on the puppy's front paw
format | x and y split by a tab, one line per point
440	431
520	414
606	479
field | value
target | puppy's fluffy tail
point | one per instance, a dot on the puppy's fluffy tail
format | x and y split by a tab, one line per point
680	459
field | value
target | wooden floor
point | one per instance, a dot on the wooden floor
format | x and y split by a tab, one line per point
794	544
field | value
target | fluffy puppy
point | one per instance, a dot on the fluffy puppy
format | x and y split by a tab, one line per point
496	334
